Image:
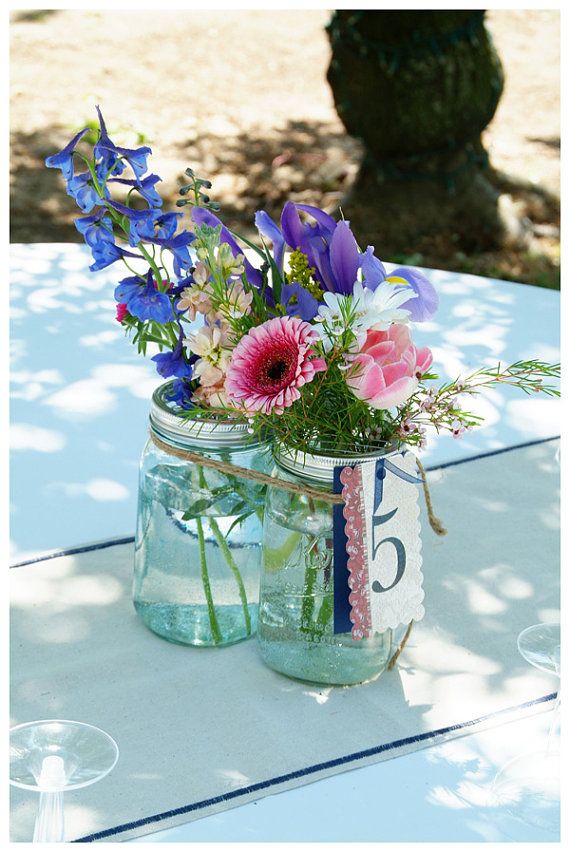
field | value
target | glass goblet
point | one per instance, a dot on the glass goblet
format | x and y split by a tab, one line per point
527	788
55	755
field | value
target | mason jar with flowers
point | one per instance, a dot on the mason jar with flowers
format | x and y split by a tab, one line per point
330	369
309	340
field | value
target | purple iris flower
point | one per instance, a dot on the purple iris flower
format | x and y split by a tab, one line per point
373	270
426	303
329	246
143	300
110	154
145	187
267	228
312	240
344	259
64	159
331	249
305	305
303	235
202	216
174	363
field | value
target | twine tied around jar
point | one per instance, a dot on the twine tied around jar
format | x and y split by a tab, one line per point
293	487
297	488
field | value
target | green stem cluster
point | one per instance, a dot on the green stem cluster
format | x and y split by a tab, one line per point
225	550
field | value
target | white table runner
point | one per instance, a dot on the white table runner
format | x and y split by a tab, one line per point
202	730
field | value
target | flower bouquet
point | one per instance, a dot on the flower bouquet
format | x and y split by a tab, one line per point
305	337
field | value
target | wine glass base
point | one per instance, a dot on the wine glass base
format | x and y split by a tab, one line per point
526	794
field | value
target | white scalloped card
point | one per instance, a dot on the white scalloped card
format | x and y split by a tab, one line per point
383	544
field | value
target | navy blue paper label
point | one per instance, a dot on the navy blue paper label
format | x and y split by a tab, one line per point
342	607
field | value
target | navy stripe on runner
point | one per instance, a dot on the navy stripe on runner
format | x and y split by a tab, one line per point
308	770
130	539
85	548
496	452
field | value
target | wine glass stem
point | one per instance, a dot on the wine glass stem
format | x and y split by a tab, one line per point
49	821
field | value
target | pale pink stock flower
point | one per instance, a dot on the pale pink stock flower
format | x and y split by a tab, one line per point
213	395
201	273
195	300
270	363
239	300
210	343
209	374
386	371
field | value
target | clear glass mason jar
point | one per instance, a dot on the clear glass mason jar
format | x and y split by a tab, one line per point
198	537
295	628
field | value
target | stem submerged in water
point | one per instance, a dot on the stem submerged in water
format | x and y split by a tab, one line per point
215	627
223	545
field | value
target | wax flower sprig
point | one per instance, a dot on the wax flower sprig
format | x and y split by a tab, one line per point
306	335
440	407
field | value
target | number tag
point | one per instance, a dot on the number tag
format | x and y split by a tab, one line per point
383	547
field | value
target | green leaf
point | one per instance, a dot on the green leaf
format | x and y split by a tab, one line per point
238	521
276	279
248	243
196	509
237	508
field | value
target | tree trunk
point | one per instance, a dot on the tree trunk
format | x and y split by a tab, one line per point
418	88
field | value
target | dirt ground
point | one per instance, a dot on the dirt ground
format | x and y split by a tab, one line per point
242	97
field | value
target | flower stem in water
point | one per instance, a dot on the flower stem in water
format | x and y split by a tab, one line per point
223	545
215	627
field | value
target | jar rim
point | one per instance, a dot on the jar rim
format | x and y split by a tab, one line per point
320	465
200	430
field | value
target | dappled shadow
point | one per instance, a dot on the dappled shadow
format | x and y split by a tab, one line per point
40	211
32	16
551	142
306	161
77	645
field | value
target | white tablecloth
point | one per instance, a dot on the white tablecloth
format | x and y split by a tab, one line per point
203	730
79	405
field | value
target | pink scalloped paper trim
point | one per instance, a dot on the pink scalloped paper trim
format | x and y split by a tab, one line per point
357	562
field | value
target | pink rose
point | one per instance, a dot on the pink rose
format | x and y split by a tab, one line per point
386	370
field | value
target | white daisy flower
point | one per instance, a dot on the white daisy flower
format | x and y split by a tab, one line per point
364	309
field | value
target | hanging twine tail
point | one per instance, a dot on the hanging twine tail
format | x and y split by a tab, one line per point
400	648
434	521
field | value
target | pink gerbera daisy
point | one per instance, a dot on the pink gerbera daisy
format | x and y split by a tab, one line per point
270	363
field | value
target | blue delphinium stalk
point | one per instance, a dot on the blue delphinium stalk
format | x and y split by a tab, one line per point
143	300
116	231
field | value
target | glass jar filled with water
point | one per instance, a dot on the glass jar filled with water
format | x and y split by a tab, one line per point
296	605
199	528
